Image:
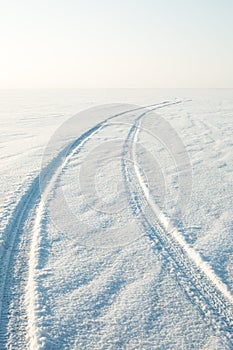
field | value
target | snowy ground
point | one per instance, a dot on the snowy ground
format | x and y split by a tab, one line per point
116	225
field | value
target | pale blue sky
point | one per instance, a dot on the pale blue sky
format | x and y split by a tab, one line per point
116	43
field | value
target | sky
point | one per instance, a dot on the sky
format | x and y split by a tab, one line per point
116	44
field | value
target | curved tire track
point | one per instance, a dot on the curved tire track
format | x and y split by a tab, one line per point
14	230
199	283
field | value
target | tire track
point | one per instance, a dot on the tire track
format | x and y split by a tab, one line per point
33	306
15	231
200	284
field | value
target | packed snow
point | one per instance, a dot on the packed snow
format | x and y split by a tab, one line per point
116	219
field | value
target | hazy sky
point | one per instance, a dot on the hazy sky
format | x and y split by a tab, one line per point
116	43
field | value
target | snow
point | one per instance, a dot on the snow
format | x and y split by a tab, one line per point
116	224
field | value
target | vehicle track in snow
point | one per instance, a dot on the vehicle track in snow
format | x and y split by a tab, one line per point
30	204
31	290
200	284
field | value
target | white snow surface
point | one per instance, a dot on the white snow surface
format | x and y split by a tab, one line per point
96	251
